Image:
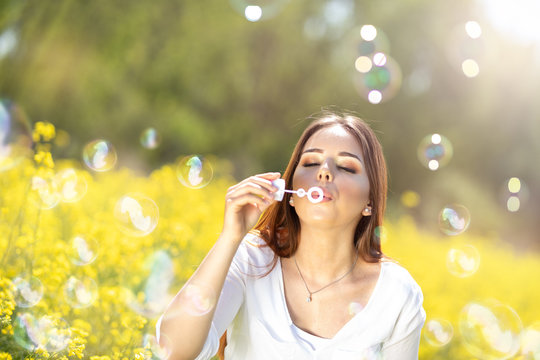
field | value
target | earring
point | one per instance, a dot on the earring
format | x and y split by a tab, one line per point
291	201
367	211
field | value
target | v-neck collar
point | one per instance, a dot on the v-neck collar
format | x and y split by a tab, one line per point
361	314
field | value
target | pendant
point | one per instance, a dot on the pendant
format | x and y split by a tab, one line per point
308	299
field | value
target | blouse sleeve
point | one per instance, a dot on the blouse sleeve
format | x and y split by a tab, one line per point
230	300
404	340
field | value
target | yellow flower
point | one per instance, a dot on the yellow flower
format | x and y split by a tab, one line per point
5	356
44	131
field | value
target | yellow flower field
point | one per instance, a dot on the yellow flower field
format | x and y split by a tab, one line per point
79	281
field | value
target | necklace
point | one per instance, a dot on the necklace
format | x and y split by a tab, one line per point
309	298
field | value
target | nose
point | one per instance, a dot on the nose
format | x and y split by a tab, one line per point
324	173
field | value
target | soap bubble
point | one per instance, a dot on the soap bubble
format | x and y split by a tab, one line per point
15	135
150	138
454	219
71	185
136	214
438	332
99	155
149	294
434	151
28	290
194	172
80	293
490	330
463	261
197	299
530	341
381	82
46	332
44	192
83	250
255	10
159	351
26	331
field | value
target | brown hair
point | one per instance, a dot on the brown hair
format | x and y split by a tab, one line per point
279	225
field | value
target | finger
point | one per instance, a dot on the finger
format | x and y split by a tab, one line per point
252	188
247	199
256	184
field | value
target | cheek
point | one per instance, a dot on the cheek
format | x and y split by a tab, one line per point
359	189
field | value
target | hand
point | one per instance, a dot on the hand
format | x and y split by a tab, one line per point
245	203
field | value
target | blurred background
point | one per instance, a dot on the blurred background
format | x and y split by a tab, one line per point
131	97
237	79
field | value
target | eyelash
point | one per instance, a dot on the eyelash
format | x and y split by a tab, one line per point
349	170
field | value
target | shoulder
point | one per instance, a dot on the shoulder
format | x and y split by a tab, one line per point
399	281
254	256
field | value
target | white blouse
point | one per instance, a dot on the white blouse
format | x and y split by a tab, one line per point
254	312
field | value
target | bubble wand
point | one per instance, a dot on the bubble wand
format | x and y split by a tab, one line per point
280	184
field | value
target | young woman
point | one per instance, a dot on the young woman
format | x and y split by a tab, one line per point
298	279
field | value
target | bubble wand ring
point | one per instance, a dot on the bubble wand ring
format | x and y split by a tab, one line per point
280	184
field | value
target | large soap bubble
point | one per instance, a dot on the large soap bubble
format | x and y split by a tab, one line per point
194	171
99	155
490	330
136	214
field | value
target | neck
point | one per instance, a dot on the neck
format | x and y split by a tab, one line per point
325	255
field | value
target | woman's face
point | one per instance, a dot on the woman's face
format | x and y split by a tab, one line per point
332	159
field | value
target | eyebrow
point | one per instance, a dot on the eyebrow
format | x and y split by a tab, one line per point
342	153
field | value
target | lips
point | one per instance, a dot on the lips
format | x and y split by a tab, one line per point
326	195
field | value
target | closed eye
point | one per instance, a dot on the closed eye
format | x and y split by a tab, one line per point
352	171
311	164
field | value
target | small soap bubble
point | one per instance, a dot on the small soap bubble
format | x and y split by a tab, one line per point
149	295
490	330
71	184
136	214
434	151
28	290
159	350
530	341
15	135
381	233
454	219
463	261
150	138
80	292
438	332
194	171
99	155
354	308
44	192
198	299
83	250
381	82
255	10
